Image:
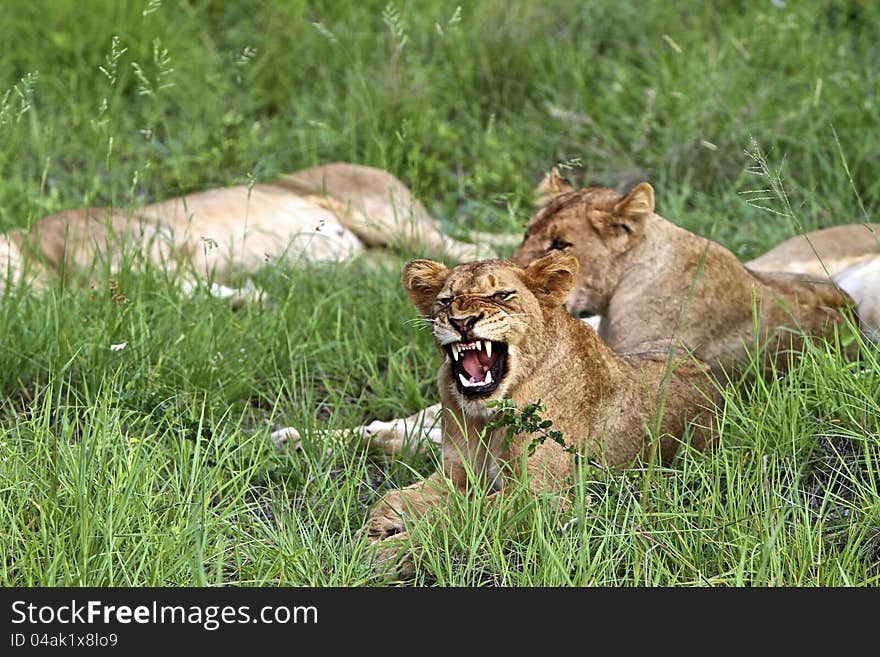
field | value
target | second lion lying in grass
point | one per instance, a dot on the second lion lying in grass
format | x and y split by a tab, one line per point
657	285
503	333
328	213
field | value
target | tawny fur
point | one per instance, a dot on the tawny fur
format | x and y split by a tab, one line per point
607	406
822	253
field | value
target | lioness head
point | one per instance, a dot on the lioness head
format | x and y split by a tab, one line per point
487	317
597	226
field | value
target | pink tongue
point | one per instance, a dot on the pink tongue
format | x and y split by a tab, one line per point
470	361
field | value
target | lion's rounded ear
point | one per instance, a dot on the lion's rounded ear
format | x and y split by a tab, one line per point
422	280
551	186
551	277
631	212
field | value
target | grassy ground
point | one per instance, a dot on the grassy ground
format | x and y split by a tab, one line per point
150	464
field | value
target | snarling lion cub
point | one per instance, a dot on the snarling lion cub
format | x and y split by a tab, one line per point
657	285
503	333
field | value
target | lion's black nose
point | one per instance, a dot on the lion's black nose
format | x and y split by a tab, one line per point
465	324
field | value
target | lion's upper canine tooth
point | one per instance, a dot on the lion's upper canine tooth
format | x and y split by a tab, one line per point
454	347
487	345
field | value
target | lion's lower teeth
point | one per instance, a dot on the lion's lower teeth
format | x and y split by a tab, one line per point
475	384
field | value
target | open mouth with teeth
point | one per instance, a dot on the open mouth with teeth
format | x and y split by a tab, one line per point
478	366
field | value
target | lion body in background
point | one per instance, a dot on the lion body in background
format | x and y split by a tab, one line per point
656	285
326	213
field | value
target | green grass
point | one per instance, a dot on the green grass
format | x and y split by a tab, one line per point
151	465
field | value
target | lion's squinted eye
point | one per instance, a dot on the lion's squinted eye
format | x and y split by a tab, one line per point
503	295
559	245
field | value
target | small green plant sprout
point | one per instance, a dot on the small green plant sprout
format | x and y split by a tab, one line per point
526	420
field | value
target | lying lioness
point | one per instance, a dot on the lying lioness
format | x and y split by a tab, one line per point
656	285
849	255
503	333
324	213
821	253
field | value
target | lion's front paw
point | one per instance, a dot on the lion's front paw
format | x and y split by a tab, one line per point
393	556
389	543
382	524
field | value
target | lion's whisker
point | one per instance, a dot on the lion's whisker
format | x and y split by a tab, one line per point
420	322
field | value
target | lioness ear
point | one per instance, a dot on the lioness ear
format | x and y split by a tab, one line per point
551	186
631	212
422	280
551	277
